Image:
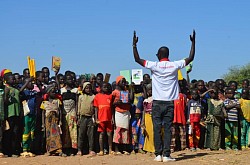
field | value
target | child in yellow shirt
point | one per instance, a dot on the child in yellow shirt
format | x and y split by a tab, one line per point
245	118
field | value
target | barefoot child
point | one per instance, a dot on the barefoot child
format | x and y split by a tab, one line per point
69	115
232	106
28	97
104	117
86	123
136	118
216	114
194	117
147	124
13	112
178	129
122	115
52	109
245	118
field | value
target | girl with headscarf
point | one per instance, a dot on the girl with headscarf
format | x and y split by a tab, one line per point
122	104
52	110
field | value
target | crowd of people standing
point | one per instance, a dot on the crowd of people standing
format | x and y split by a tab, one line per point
67	115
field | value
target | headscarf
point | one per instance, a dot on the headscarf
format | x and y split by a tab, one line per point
4	71
119	78
85	84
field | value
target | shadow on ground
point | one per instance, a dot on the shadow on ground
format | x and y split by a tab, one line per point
184	156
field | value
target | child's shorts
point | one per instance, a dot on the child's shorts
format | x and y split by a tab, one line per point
105	126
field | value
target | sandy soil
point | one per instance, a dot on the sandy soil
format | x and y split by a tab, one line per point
183	157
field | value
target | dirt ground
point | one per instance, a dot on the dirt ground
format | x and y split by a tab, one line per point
183	157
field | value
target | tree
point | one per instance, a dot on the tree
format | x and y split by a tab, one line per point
238	73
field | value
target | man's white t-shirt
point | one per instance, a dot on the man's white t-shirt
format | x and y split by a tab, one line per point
165	85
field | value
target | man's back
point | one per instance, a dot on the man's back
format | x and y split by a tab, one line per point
165	78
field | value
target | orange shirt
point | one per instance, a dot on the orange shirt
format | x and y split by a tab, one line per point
98	89
103	103
122	107
179	109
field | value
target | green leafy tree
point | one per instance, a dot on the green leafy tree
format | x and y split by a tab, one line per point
238	73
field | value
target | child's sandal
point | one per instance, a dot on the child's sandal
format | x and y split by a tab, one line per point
62	154
2	155
141	151
112	153
25	154
126	153
118	153
105	152
101	153
31	154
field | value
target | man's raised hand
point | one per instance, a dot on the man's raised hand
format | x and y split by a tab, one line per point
192	37
135	39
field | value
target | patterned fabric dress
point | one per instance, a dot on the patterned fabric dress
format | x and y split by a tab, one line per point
137	137
53	139
69	118
214	119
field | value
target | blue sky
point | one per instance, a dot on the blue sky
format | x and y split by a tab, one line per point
94	36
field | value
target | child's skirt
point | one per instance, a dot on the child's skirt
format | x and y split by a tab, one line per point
149	134
53	139
121	132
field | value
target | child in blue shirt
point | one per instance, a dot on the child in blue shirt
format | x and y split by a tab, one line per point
28	97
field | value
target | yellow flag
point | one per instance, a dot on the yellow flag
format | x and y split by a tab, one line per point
180	77
34	68
29	63
31	66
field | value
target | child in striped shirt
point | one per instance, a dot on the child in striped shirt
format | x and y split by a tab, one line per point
231	125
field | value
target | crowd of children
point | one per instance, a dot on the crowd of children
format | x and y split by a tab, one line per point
66	116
